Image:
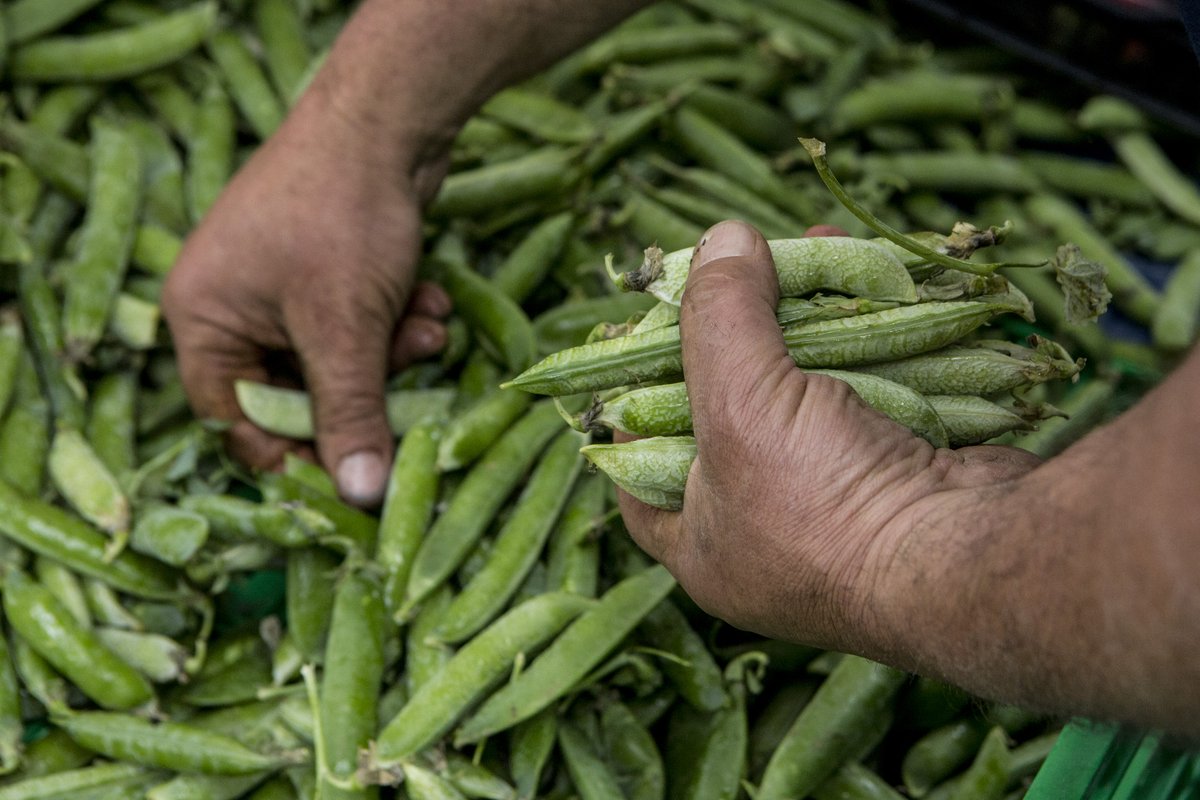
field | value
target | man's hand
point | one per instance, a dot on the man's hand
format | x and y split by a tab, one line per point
785	525
305	267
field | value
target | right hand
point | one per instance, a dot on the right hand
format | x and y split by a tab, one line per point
305	268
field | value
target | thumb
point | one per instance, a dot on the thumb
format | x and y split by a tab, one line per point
732	345
345	369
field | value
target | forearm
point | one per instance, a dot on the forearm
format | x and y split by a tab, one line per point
1073	587
405	74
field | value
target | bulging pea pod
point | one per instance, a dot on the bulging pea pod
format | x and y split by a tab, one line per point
664	410
838	343
654	470
159	658
172	535
834	263
985	367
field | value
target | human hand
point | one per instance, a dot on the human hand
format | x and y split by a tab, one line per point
305	267
798	502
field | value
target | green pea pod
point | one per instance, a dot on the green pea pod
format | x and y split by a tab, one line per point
837	343
53	753
65	586
470	433
939	753
167	745
355	528
631	753
494	316
693	671
424	657
11	343
116	54
518	543
170	102
111	429
353	670
29	19
624	131
1174	325
647	220
592	778
24	448
278	788
853	781
106	239
12	730
987	777
106	607
529	751
247	83
285	44
540	115
425	784
475	780
583	645
71	783
58	161
845	713
53	532
310	579
49	628
407	508
439	702
169	534
288	412
543	174
38	678
160	659
162	173
531	260
87	485
653	470
573	558
839	264
190	786
774	721
210	149
484	489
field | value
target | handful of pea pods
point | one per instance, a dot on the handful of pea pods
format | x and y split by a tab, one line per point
176	627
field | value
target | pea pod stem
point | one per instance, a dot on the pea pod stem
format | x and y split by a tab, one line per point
816	150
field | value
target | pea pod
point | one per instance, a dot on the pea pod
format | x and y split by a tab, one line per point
111	429
837	343
470	433
65	586
38	677
354	663
288	412
573	558
518	543
160	659
836	263
70	783
425	784
407	508
48	627
438	703
1174	325
285	44
167	745
540	115
529	751
853	781
589	774
654	470
114	54
53	532
210	149
12	729
542	174
494	316
842	716
169	534
482	492
248	85
87	485
631	753
309	599
424	656
583	645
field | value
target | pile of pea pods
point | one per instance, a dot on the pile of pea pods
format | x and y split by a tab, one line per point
491	631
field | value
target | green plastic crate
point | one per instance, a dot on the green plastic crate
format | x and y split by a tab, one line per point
1103	762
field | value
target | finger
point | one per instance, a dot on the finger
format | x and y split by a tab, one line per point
655	530
417	337
817	231
732	345
430	300
343	350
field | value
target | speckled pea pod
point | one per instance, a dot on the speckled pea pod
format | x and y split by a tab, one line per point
112	55
834	263
973	420
439	702
654	470
984	368
844	713
573	557
73	650
837	343
167	745
576	651
518	543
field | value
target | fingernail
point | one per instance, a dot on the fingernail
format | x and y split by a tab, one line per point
361	478
726	239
